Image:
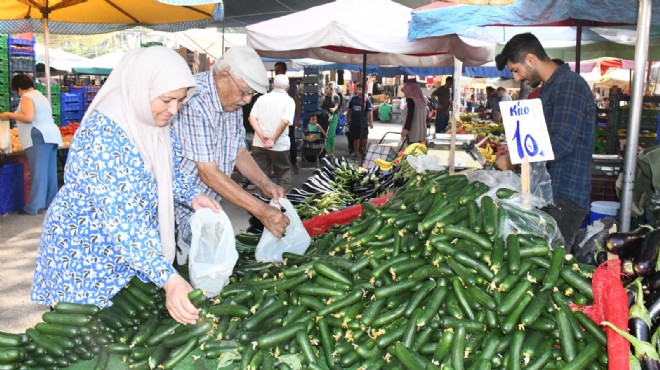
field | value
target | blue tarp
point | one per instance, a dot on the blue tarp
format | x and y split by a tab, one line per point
481	71
456	19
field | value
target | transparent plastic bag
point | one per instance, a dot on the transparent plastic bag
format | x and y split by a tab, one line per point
520	218
295	240
213	252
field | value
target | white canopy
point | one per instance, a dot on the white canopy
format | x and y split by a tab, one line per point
341	31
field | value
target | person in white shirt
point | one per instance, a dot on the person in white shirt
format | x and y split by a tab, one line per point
270	117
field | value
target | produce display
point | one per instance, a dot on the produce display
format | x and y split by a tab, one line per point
426	281
67	135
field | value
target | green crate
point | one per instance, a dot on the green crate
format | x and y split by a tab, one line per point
58	119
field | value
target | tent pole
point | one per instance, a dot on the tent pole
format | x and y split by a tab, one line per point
578	46
636	100
364	105
44	22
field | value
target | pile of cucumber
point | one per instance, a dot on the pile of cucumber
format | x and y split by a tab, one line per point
426	281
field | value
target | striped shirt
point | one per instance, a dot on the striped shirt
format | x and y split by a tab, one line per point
570	114
206	134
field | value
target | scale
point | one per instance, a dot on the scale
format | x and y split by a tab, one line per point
466	155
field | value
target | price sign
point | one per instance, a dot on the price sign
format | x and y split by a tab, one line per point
526	131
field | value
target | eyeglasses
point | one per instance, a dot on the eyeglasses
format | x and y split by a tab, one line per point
250	93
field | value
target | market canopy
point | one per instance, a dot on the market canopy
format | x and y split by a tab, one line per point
343	30
440	18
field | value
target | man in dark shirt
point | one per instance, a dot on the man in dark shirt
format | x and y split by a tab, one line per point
442	99
570	114
354	116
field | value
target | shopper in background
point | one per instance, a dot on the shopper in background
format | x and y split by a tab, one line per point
570	114
270	117
414	127
114	216
354	116
280	69
330	104
210	130
441	97
39	137
503	95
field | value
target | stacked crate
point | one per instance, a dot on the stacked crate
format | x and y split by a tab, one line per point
55	100
72	105
20	48
618	121
4	74
311	94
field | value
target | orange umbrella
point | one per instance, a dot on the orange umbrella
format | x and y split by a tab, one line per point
78	17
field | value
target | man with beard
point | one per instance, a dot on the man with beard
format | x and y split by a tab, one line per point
210	129
570	115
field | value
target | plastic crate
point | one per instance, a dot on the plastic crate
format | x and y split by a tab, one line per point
12	193
20	63
3	40
72	116
57	118
70	106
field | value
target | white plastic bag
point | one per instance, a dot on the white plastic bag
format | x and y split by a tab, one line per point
212	251
295	239
5	137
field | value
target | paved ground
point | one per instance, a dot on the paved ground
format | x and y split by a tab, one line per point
19	239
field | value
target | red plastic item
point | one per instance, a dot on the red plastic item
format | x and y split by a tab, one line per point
320	224
611	304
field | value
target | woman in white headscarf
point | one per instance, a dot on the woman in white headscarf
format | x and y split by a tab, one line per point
114	216
414	126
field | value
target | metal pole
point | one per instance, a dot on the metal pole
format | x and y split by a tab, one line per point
364	106
578	46
636	100
44	22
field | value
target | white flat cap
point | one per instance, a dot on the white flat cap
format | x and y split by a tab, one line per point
246	62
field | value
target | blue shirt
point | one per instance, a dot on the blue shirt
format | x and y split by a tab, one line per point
102	227
207	134
570	114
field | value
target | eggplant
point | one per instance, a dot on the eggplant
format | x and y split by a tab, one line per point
645	352
651	283
327	164
646	258
653	306
639	320
626	243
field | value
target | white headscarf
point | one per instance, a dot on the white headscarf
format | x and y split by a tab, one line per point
143	75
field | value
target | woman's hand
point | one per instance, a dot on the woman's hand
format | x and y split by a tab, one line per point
4	116
177	302
204	201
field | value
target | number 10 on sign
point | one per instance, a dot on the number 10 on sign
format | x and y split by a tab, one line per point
526	131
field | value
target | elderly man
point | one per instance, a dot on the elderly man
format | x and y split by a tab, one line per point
210	129
270	118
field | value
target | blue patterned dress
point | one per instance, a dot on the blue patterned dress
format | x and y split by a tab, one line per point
102	228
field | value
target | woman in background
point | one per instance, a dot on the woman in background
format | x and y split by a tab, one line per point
330	104
414	127
39	137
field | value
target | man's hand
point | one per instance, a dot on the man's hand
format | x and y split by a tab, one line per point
404	132
204	201
274	191
274	220
177	302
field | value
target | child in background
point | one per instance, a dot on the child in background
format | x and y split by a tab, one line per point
314	131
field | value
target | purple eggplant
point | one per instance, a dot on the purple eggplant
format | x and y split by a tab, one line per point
626	243
646	258
639	320
645	352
